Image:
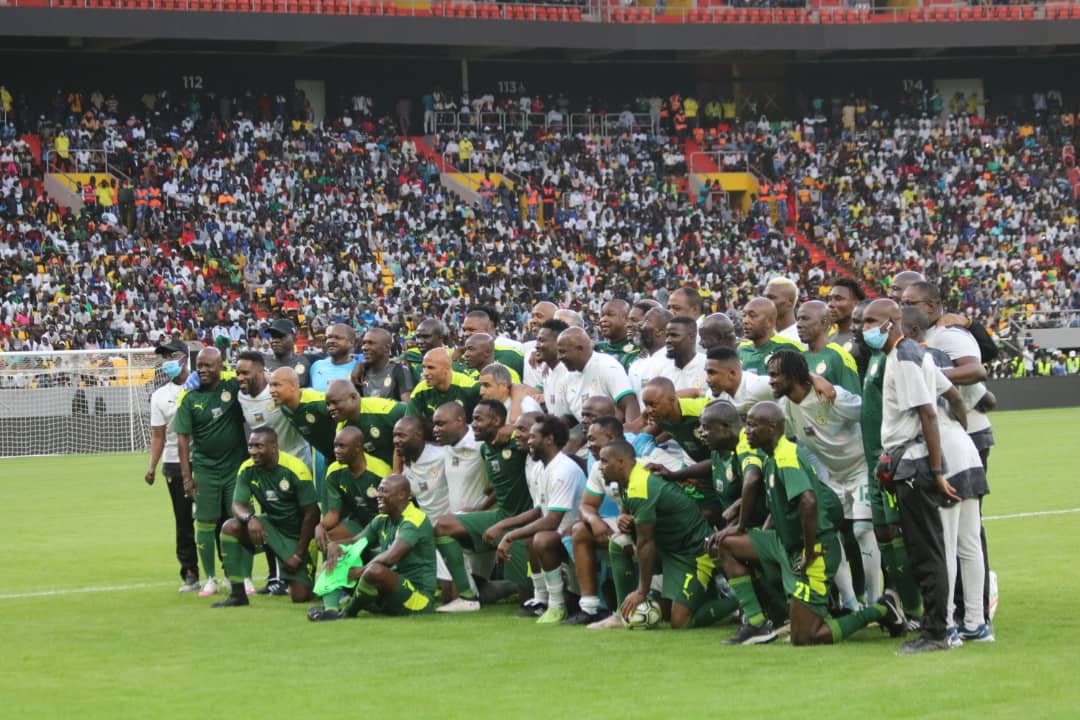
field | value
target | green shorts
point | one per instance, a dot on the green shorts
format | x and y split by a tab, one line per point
477	523
687	579
283	546
884	509
810	587
353	526
215	496
405	600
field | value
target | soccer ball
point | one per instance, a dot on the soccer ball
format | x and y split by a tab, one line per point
645	616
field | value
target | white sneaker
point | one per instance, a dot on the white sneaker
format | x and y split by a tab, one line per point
249	587
209	588
190	585
460	605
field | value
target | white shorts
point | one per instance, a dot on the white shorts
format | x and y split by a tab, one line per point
852	487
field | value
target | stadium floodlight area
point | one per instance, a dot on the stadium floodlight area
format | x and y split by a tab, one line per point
76	401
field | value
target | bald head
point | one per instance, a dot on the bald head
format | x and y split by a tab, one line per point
717	330
449	423
409	438
437	368
759	320
883	314
541	313
376	347
574	348
285	387
342	401
596	406
394	495
653	330
813	323
348	445
901	283
660	400
479	351
765	426
208	364
430	333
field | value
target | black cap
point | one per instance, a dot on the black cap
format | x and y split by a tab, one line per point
171	347
281	327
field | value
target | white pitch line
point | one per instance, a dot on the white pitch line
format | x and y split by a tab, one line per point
73	591
1031	514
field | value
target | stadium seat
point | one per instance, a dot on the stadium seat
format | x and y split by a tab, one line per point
575	14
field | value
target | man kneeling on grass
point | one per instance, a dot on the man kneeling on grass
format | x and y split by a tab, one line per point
283	487
400	579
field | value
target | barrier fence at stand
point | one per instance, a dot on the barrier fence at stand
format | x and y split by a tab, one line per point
815	12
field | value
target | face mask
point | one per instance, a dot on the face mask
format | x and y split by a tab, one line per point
172	369
875	337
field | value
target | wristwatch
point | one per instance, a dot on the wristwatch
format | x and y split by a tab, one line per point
246	520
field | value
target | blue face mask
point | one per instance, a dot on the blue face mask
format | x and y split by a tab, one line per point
172	369
875	337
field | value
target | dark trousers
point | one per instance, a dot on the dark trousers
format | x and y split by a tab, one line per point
925	541
185	522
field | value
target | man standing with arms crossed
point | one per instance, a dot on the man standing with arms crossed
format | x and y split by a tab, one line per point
163	447
209	427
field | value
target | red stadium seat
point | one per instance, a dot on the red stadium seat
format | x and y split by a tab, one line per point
1074	12
1028	13
575	15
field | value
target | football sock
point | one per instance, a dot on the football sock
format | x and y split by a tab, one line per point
713	611
842	579
249	563
623	573
271	565
540	591
553	580
232	559
853	552
365	597
848	625
871	560
894	560
454	557
332	600
747	599
589	604
207	546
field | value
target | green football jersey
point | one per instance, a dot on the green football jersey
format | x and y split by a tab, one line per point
687	432
312	419
511	358
836	365
468	372
872	407
377	419
418	565
282	492
425	398
215	422
354	496
728	471
506	471
415	360
788	474
625	352
753	359
680	527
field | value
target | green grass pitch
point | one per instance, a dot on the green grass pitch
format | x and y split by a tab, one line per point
82	527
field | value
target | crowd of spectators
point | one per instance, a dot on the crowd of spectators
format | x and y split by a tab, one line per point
230	211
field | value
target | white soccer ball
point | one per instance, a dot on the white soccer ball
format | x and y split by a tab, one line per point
645	616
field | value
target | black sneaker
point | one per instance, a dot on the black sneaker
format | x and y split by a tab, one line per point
531	609
748	634
324	614
583	618
274	586
923	644
895	622
233	600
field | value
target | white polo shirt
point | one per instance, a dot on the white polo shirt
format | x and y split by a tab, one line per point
561	483
601	376
831	431
427	480
689	377
957	343
162	412
262	410
466	476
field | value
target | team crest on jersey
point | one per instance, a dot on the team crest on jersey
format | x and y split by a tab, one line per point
226	396
310	418
628	347
284	485
375	432
388	381
300	369
730	474
372	492
507	454
821	367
